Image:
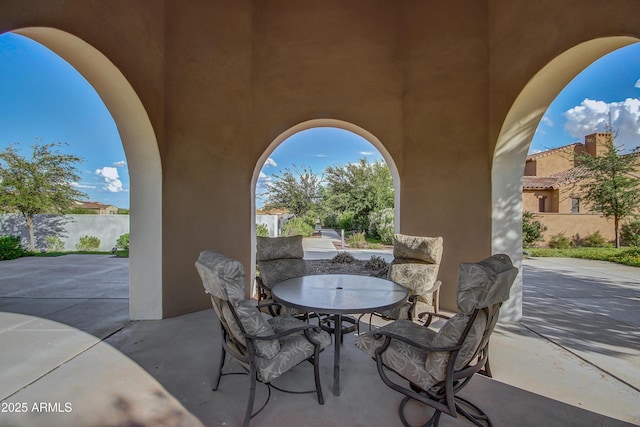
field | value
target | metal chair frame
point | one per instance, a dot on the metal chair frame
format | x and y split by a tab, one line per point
442	397
246	357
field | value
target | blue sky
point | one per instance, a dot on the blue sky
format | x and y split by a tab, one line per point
45	99
611	84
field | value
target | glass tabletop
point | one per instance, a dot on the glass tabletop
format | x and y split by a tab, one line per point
339	293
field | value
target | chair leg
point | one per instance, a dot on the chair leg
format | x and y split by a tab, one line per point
223	356
316	375
252	396
480	418
433	421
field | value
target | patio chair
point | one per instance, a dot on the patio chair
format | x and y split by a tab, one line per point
278	258
415	266
266	348
439	364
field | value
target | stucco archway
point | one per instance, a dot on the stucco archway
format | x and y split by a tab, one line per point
317	123
141	149
513	145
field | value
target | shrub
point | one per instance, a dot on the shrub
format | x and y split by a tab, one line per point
311	218
532	230
346	220
595	240
297	226
343	258
123	242
262	230
10	247
54	243
629	256
630	233
88	243
376	263
357	240
559	241
381	225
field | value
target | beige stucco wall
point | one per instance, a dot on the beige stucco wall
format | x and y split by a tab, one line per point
575	225
559	161
432	81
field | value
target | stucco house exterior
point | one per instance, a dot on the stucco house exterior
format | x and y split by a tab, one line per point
99	208
551	190
202	92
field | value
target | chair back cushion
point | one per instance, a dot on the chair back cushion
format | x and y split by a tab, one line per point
254	323
270	248
485	283
277	270
222	277
417	276
449	335
427	249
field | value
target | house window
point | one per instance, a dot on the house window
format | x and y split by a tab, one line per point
542	204
575	205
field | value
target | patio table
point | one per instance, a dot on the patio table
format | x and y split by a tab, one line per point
339	294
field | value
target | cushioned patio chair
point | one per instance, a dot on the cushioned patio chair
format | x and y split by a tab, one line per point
266	348
415	266
437	365
278	258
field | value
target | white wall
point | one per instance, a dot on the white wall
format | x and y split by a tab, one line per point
68	227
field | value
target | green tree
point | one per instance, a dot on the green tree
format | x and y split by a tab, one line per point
532	229
610	182
297	190
43	183
360	188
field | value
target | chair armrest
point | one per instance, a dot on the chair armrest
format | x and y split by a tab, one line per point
392	335
281	334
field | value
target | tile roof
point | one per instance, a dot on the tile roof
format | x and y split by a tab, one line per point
552	182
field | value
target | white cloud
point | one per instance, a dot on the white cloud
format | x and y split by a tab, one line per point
320	155
270	162
81	185
592	116
120	164
547	121
111	179
637	84
263	177
367	153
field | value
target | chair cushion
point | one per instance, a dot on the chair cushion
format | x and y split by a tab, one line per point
485	283
405	359
421	367
270	248
253	323
428	249
274	271
419	277
222	277
294	348
449	335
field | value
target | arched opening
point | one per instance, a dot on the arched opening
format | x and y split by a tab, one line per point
141	149
513	145
320	123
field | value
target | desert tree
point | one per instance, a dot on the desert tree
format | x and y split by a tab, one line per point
610	181
42	183
297	190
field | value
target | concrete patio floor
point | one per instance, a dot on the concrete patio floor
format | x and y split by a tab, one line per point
573	360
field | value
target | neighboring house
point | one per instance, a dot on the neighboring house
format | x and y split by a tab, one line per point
551	190
99	208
